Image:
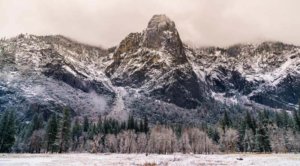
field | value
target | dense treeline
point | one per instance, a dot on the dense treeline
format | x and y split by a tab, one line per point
266	131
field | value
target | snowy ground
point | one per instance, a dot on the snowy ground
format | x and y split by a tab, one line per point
150	160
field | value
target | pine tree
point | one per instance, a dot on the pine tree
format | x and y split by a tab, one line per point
76	130
285	119
146	125
92	131
64	134
250	122
136	126
123	126
76	133
3	134
99	125
141	126
246	129
225	122
51	133
262	142
37	122
213	134
297	118
106	127
130	123
7	131
86	124
115	126
241	134
264	117
278	119
34	125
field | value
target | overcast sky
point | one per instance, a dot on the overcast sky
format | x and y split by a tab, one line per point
200	22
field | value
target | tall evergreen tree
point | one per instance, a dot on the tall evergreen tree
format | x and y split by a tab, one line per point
241	134
141	126
297	118
37	122
278	119
213	134
86	124
146	125
76	133
136	126
92	131
99	125
264	117
285	119
246	129
130	123
3	134
76	130
51	133
226	121
123	125
7	131
262	142
65	132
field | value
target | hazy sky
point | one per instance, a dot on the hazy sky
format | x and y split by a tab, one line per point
201	22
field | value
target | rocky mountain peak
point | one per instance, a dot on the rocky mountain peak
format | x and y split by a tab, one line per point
161	22
149	73
161	34
154	62
160	39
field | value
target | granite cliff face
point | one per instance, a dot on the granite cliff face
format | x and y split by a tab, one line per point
161	34
265	74
149	73
155	63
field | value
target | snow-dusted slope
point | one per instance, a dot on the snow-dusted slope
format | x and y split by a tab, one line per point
154	62
266	73
150	73
48	73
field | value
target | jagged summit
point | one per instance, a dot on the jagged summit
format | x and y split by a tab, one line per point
161	33
161	21
155	62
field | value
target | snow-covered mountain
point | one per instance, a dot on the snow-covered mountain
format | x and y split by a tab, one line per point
51	72
149	73
154	62
266	74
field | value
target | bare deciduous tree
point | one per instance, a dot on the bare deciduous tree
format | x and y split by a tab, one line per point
36	141
111	143
162	140
228	140
127	142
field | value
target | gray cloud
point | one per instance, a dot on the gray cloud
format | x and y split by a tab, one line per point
200	22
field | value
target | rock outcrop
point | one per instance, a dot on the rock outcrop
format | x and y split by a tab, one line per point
155	62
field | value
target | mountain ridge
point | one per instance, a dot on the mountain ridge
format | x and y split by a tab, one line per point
147	72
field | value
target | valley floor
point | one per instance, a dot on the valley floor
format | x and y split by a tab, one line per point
150	160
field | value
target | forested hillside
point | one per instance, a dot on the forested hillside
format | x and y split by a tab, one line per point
266	131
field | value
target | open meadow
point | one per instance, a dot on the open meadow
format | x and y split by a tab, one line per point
150	160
